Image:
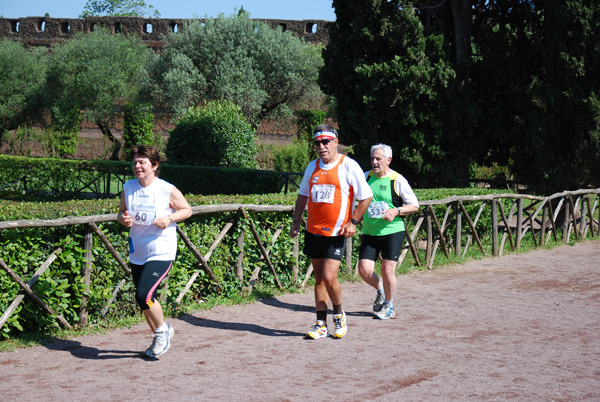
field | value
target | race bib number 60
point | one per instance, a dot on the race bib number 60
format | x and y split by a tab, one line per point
323	193
143	214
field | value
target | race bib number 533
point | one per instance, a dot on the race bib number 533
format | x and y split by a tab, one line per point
377	209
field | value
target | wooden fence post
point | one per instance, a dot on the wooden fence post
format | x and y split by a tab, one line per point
429	228
519	223
88	243
239	269
494	227
458	239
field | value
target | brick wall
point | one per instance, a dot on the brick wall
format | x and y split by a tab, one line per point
45	31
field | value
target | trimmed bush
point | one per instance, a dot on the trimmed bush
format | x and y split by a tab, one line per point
214	135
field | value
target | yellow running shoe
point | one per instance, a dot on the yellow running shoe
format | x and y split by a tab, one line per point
340	325
319	330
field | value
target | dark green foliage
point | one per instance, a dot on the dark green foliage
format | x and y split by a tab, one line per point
293	157
138	127
222	180
22	80
214	135
389	79
47	178
57	178
96	73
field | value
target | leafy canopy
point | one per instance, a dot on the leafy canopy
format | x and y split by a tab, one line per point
264	71
96	73
388	79
121	8
22	80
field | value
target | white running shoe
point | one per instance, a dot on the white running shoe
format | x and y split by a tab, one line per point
340	325
378	303
160	343
386	312
319	330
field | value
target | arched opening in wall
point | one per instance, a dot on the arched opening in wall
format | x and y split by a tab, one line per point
41	26
283	27
65	28
118	27
174	27
148	28
93	27
14	26
311	27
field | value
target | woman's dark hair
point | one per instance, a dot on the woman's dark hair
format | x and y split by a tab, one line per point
150	152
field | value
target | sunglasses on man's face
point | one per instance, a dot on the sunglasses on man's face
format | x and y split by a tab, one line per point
324	142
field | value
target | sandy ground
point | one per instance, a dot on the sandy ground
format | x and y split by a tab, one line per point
520	327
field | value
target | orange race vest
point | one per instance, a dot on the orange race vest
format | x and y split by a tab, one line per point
328	208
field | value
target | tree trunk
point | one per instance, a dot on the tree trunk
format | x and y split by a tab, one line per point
116	144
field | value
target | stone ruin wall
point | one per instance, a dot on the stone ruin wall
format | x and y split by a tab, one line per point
46	31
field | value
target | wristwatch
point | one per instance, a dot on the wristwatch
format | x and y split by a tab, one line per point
171	218
354	221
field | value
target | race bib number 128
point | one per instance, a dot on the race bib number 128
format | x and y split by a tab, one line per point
323	193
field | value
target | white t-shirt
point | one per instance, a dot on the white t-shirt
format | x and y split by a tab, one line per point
147	242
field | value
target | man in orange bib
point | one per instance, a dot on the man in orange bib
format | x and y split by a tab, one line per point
329	187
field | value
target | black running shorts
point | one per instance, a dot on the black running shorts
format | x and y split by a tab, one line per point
316	246
389	246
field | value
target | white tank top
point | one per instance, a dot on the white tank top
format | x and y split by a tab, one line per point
147	242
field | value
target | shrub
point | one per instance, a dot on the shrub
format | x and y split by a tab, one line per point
292	157
214	135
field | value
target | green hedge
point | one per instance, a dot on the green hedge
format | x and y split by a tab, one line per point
64	178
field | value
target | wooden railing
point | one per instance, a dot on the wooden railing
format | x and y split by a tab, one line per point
560	216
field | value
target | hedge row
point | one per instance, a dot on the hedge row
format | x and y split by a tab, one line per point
63	178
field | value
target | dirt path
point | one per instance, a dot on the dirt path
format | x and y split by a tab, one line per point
521	327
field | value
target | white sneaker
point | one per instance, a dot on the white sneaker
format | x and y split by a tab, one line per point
160	343
378	303
319	330
386	312
340	325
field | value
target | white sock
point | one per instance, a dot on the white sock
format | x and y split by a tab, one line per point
162	328
380	289
390	302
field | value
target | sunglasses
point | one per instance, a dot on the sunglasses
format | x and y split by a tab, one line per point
324	142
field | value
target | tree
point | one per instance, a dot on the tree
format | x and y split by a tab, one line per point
22	80
96	73
216	134
389	81
537	75
138	127
262	70
122	8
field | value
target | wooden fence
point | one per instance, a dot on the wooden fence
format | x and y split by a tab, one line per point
560	216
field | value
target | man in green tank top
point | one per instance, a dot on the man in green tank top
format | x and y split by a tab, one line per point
383	228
